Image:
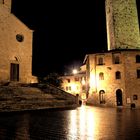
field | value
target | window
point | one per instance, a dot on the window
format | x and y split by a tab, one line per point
19	37
135	97
137	58
100	61
138	73
118	75
83	87
70	88
102	97
68	80
101	76
116	60
76	78
67	88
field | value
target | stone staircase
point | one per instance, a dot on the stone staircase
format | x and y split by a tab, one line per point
19	97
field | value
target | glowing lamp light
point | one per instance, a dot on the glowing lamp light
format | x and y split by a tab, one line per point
75	71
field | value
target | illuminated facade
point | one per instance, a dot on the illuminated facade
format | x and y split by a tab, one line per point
75	83
15	47
113	77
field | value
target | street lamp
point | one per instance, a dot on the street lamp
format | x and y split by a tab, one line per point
74	71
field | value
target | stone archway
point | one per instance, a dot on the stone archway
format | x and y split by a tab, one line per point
119	99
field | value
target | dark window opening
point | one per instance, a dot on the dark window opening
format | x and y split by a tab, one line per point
68	80
118	75
117	60
100	61
19	37
135	97
138	73
137	58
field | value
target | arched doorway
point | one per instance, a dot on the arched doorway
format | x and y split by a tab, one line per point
119	97
102	96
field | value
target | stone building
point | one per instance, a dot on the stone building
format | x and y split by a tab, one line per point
15	47
113	77
75	83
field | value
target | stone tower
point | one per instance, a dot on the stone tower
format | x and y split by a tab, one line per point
122	24
6	3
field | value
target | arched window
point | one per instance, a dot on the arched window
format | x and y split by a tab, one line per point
135	97
101	76
118	75
137	58
102	96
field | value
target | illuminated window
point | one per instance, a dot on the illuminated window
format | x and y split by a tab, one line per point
77	87
100	61
102	97
118	75
135	97
101	76
70	88
76	78
137	58
138	73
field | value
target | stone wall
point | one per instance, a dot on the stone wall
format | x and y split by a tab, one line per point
13	50
129	84
122	24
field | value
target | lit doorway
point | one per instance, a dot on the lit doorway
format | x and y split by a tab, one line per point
14	72
119	97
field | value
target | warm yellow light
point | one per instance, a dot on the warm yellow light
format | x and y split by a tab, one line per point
75	71
73	87
83	82
92	80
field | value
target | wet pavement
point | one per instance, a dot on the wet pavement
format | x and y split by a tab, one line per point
83	123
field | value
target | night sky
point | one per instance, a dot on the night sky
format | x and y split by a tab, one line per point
64	32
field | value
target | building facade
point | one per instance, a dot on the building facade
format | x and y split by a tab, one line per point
75	83
15	45
113	77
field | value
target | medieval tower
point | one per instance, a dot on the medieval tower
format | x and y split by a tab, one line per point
114	75
122	24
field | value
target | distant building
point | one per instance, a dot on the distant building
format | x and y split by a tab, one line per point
15	47
75	83
113	77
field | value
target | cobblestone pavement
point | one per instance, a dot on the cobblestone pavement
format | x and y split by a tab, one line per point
83	123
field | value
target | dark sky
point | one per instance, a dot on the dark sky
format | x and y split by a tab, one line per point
64	32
